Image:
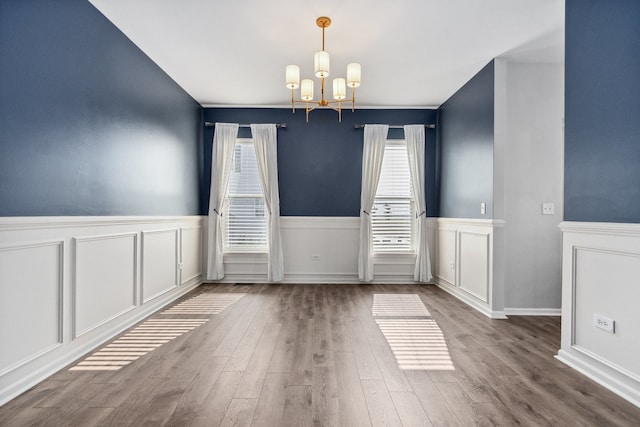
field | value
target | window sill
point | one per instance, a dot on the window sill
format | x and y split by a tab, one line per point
394	258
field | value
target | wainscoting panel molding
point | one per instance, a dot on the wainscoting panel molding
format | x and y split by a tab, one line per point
323	250
68	284
600	271
473	263
160	262
465	263
104	279
32	299
191	241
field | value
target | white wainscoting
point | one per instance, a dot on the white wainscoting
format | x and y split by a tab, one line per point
323	250
68	284
600	275
465	263
160	262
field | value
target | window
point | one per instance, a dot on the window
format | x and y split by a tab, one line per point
245	215
392	217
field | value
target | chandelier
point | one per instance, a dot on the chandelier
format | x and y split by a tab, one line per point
321	70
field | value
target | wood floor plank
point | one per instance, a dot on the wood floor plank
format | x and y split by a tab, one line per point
297	407
228	345
459	402
324	397
432	401
302	363
362	352
239	413
353	407
382	411
282	358
214	408
270	405
253	377
409	409
189	403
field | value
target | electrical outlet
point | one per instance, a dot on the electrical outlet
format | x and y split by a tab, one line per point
452	265
548	209
604	323
483	208
315	258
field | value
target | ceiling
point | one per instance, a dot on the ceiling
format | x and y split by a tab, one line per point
414	53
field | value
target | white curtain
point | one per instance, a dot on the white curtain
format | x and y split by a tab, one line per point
224	139
375	138
265	142
414	135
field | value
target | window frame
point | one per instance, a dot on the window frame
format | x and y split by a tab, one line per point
237	249
412	210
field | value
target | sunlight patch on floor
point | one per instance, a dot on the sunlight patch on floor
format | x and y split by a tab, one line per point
416	340
207	303
156	332
394	305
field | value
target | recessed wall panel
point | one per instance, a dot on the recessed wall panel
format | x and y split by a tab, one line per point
474	264
159	262
604	279
30	301
105	279
446	269
191	250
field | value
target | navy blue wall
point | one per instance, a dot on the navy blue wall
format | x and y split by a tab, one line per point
602	111
89	125
465	123
320	162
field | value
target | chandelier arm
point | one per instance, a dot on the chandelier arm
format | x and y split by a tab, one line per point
353	99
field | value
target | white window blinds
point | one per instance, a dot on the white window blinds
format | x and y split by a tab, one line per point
245	215
393	209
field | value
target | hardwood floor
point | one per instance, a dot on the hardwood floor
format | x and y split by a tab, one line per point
314	355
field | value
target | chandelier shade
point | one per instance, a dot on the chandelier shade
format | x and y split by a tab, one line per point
354	73
306	91
321	69
293	76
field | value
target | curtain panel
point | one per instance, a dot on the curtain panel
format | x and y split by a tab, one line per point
265	142
415	137
224	139
375	138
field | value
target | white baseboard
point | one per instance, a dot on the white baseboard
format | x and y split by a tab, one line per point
471	301
533	311
602	375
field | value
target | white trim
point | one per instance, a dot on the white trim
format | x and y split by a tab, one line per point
472	221
321	279
26	222
599	374
533	311
609	228
472	301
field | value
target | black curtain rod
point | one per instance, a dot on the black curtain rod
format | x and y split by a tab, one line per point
361	126
278	125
